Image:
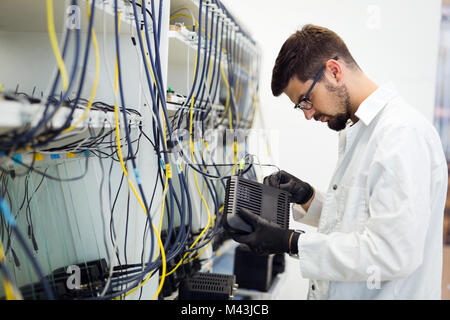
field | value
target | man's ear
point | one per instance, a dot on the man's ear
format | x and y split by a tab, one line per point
334	71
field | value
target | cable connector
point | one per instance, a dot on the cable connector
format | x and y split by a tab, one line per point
179	167
170	145
168	171
241	167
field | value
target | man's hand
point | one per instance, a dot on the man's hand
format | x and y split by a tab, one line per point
301	192
266	238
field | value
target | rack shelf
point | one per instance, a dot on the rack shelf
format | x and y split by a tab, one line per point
31	16
20	115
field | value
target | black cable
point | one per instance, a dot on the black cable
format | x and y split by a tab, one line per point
48	176
23	138
12	223
82	76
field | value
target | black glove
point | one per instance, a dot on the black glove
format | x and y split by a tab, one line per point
300	191
267	237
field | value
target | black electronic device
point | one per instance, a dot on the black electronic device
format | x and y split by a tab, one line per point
207	286
268	202
253	271
92	274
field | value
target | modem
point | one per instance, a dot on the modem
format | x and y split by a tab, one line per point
268	202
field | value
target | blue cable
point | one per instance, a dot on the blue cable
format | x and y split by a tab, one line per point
80	87
21	139
9	217
127	133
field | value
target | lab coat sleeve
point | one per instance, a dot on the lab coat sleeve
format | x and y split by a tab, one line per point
312	216
392	239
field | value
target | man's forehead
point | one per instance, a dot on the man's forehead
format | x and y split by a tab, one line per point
295	89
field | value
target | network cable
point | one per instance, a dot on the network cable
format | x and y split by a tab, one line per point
4	207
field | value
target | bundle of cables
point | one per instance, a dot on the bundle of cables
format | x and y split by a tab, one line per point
222	44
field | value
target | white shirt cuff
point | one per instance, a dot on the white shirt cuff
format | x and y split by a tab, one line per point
312	216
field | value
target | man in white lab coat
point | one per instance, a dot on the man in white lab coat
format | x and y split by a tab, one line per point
380	223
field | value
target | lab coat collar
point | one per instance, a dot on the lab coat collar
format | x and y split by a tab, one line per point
374	103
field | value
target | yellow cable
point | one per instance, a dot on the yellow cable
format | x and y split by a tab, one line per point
184	15
166	184
201	196
55	46
192	259
193	159
9	290
205	170
227	102
146	57
230	118
154	81
187	27
210	71
235	156
196	183
192	147
97	71
168	172
190	17
119	151
255	107
239	98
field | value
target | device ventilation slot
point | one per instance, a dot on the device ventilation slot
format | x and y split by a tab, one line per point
257	190
282	203
249	196
254	207
207	287
230	187
212	276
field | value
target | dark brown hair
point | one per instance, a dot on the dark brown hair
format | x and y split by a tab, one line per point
305	52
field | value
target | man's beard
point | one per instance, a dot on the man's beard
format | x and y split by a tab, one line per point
339	121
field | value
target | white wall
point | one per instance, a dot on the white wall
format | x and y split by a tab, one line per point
392	40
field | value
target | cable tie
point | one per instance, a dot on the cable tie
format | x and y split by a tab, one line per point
7	213
168	171
179	167
138	179
38	157
17	158
170	145
241	166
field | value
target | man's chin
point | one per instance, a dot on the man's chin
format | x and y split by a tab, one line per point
337	124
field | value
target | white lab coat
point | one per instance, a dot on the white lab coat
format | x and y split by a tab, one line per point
380	222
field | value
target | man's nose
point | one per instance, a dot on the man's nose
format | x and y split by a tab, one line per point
309	114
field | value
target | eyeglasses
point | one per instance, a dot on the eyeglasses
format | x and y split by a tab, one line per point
305	103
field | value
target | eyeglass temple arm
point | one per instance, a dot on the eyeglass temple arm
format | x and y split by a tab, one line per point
319	74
